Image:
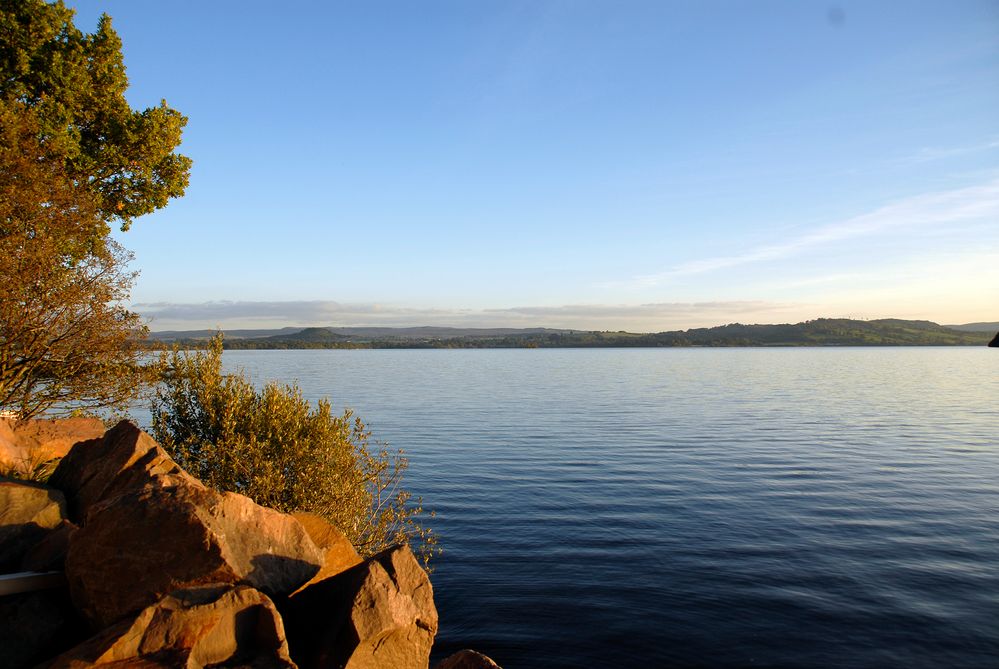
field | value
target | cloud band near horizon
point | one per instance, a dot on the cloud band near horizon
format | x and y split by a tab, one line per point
245	314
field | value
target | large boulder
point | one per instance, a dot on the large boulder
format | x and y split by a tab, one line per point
139	546
467	659
995	341
125	459
338	553
28	511
378	614
26	444
208	626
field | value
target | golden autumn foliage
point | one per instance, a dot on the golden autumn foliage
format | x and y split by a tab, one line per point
67	343
276	448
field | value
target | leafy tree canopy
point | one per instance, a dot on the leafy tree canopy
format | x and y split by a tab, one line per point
76	84
66	341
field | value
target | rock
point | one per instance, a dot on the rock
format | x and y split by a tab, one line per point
139	546
28	511
379	613
339	554
199	627
26	444
37	625
49	554
466	659
123	460
995	341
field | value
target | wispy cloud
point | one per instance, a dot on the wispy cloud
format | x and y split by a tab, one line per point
638	317
930	153
651	310
940	209
295	312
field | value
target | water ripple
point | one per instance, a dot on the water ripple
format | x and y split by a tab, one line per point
695	508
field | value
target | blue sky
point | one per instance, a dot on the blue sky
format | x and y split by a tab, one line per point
608	165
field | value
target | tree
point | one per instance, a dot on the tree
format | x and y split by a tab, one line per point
75	82
274	447
74	158
66	342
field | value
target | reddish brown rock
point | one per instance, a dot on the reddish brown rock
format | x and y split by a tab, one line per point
200	627
26	444
467	659
137	547
28	511
338	553
125	459
378	614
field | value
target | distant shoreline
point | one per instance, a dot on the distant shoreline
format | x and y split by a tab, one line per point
823	332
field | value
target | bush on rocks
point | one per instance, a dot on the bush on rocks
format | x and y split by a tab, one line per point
274	447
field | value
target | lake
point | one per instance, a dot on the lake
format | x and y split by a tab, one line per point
800	507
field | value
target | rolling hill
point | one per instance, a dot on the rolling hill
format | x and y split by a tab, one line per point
819	332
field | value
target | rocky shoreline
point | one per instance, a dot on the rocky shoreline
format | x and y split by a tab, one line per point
124	559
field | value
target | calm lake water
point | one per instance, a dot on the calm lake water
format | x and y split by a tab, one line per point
806	507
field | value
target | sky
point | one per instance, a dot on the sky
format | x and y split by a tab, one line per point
612	165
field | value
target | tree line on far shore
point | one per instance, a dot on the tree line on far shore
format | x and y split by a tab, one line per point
819	332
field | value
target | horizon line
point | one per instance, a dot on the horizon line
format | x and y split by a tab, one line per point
563	329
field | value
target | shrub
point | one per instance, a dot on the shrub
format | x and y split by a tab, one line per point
274	447
30	468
